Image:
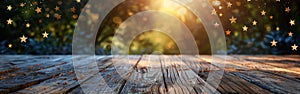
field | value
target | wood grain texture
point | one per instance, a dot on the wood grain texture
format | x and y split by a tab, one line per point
158	74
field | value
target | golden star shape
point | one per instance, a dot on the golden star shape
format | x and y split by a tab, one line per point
73	9
38	10
56	8
214	12
232	19
287	9
9	45
273	43
9	8
263	13
48	15
22	4
254	22
9	21
245	28
216	25
45	35
27	25
58	17
228	32
290	34
294	47
229	4
292	22
23	38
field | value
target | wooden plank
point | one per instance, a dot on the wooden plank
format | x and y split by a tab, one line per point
186	76
230	83
170	85
240	86
203	69
26	64
189	78
241	64
110	79
22	81
95	82
274	84
251	65
35	64
6	64
124	71
168	74
60	84
268	81
279	62
148	82
275	57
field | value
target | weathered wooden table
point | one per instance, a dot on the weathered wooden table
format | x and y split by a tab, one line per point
149	74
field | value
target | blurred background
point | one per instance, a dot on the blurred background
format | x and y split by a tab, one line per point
42	27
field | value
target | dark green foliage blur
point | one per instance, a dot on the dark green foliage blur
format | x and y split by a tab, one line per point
60	30
255	41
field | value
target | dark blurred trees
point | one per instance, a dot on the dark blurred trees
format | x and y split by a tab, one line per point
60	29
273	26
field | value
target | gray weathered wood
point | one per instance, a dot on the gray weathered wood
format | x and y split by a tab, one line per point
173	74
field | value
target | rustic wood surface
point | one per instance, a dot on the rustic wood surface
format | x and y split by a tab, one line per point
173	74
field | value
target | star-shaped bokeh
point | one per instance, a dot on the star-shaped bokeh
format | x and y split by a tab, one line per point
250	26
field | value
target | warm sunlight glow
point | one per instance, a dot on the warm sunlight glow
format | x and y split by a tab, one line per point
173	8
